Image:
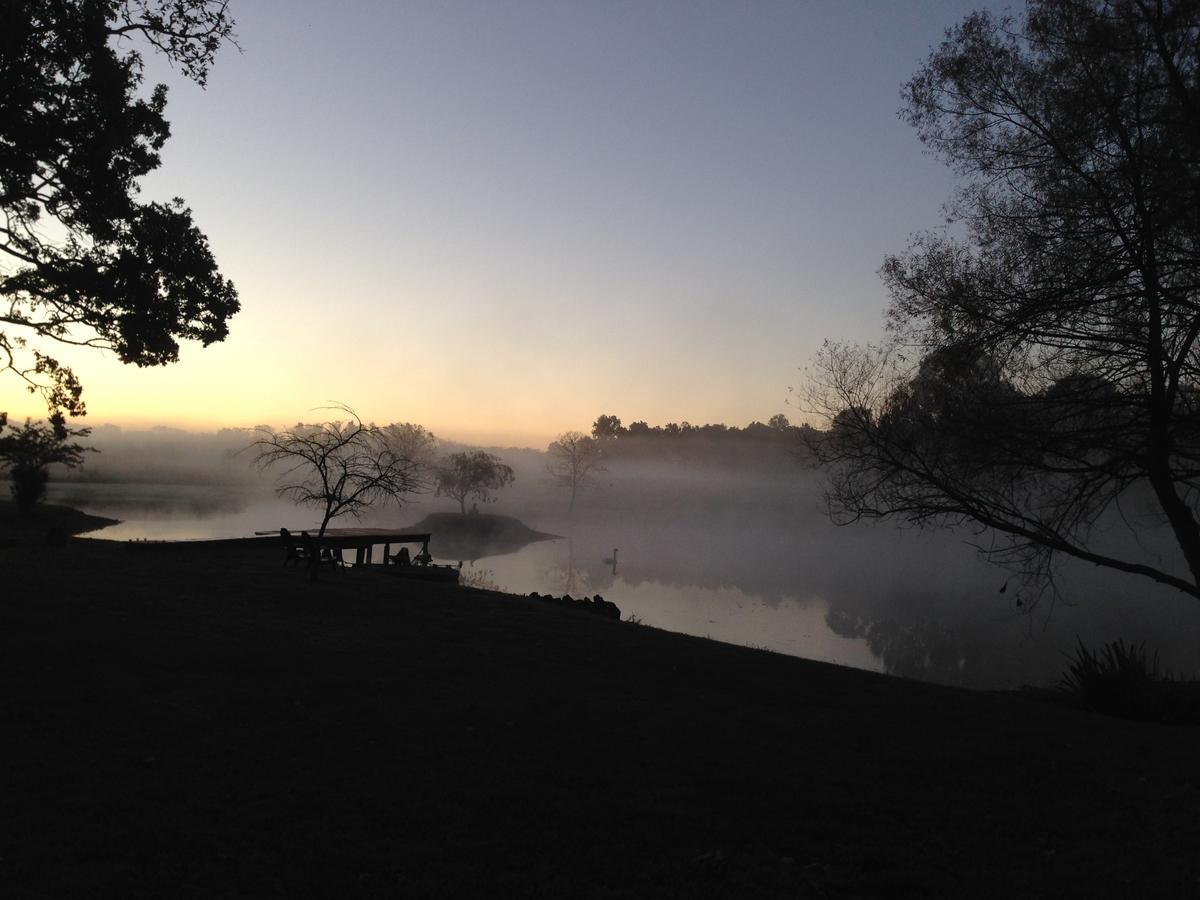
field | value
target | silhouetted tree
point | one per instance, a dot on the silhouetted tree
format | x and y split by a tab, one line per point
573	457
340	467
607	427
1045	364
29	451
472	473
779	422
82	261
414	443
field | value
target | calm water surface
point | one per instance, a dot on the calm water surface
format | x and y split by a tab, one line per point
919	605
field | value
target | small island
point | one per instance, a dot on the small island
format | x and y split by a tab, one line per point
475	535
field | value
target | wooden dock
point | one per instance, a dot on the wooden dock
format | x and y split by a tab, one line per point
362	541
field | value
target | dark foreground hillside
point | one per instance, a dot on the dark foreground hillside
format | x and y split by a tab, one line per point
203	723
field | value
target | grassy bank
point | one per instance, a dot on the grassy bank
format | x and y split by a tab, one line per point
36	526
199	722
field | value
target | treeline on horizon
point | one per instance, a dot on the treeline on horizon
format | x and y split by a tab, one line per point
711	444
170	455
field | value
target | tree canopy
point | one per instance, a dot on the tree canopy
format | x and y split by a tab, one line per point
413	442
28	451
573	456
471	473
1042	363
712	444
83	261
341	467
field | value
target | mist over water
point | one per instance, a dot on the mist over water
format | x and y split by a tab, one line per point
745	557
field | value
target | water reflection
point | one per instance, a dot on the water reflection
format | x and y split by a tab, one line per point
927	649
724	612
913	604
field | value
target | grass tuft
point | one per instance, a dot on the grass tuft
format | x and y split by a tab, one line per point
1123	680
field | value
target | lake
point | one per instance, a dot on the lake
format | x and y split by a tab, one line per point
764	570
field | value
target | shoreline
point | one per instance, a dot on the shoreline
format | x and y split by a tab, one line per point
16	528
204	718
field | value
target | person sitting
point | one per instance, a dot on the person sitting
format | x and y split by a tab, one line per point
402	558
295	552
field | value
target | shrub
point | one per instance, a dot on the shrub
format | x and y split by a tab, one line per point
1119	679
29	450
28	486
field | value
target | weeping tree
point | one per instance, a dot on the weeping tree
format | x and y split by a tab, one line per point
1041	373
341	467
472	473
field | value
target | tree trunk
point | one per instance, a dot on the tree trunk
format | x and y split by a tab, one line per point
1179	515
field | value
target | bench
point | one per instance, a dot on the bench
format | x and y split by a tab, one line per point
310	550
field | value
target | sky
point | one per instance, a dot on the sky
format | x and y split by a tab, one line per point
502	219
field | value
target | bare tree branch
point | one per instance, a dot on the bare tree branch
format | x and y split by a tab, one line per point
340	467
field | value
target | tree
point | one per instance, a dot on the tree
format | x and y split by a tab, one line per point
779	422
607	427
29	451
1043	363
473	473
414	443
340	467
573	457
82	261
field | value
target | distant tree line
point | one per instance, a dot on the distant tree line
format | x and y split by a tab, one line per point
711	443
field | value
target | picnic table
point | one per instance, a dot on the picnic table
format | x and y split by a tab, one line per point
363	542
